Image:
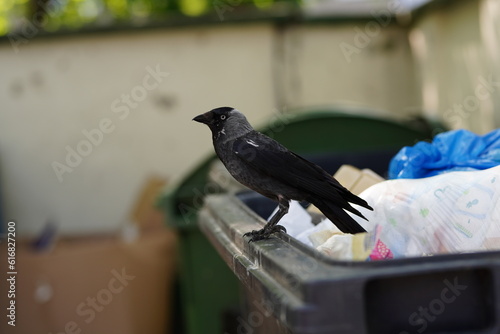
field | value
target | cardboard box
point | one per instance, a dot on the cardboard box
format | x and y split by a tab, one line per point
94	285
357	180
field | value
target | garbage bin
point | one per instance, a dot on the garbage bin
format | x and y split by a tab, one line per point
292	288
208	288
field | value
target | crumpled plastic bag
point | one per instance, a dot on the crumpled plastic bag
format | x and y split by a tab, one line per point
456	150
357	247
456	212
449	213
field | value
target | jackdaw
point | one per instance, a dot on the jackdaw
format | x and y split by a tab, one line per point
267	167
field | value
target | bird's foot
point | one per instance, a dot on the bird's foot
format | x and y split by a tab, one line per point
264	233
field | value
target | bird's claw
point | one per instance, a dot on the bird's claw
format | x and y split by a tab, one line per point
264	233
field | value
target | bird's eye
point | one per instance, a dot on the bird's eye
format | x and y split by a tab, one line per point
223	117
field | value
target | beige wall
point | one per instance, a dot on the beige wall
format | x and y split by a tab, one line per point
457	52
350	64
54	89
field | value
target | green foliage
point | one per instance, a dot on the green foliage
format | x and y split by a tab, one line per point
53	15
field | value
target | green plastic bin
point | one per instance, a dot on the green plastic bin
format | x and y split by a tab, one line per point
208	289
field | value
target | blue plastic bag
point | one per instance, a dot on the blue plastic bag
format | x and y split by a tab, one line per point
456	150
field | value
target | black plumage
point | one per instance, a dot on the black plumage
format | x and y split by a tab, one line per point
264	165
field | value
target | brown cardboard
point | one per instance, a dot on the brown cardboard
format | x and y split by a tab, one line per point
93	285
144	212
366	179
347	175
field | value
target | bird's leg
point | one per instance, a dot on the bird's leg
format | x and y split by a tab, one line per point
272	227
283	206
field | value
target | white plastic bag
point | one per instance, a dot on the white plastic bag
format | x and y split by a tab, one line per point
449	213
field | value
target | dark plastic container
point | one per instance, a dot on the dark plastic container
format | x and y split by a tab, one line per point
292	288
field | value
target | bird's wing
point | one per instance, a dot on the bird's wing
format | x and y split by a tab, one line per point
273	159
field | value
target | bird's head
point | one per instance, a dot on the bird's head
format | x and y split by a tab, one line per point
225	122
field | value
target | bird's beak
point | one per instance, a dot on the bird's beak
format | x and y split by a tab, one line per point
205	118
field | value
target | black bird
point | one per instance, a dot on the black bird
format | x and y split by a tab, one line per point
264	165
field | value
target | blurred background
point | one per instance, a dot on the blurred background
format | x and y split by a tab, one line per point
97	100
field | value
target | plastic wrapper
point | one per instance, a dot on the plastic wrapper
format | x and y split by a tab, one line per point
450	213
455	212
457	150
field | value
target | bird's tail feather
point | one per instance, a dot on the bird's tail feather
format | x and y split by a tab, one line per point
350	197
339	217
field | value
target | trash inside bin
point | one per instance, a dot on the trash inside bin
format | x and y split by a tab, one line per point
455	212
457	150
